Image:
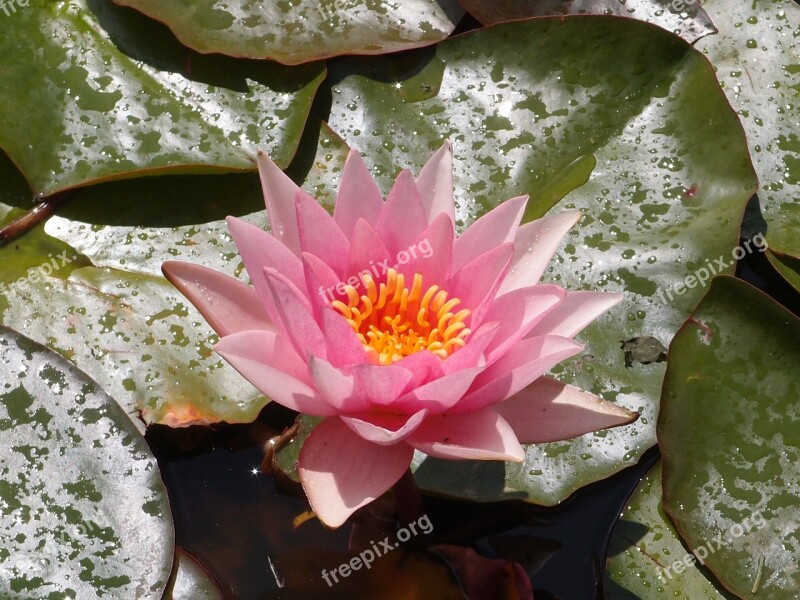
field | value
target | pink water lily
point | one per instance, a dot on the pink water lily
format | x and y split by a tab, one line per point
400	333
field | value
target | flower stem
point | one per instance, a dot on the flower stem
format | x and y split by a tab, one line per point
40	212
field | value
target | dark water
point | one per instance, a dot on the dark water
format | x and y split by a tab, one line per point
239	524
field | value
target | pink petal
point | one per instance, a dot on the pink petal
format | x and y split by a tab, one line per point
367	252
384	429
440	394
435	183
320	295
279	196
479	435
344	347
359	196
431	254
549	411
403	217
524	363
339	389
518	312
534	246
294	312
575	312
259	249
226	303
424	365
382	384
341	471
326	276
498	226
472	354
477	282
320	235
269	362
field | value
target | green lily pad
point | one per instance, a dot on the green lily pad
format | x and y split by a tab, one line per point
618	93
96	92
684	17
83	510
304	30
728	430
125	325
110	310
757	59
192	581
643	548
787	266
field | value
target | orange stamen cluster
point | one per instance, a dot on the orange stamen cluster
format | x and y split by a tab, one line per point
393	321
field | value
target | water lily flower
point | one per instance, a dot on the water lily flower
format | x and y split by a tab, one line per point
402	334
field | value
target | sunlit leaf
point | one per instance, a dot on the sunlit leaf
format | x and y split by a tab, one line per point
92	92
757	58
643	549
728	431
614	94
685	17
304	30
84	513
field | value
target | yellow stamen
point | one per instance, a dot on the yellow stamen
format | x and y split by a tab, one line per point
394	321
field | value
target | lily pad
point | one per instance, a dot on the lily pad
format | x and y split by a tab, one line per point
129	329
304	30
684	17
83	510
728	430
787	266
110	310
643	548
97	92
615	94
757	59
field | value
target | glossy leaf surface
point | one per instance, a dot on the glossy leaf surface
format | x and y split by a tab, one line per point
728	430
684	17
757	59
95	92
84	511
599	98
644	548
304	30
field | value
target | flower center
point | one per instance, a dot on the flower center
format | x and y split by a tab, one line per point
393	321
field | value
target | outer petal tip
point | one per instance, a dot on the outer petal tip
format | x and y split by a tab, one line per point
226	303
548	411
